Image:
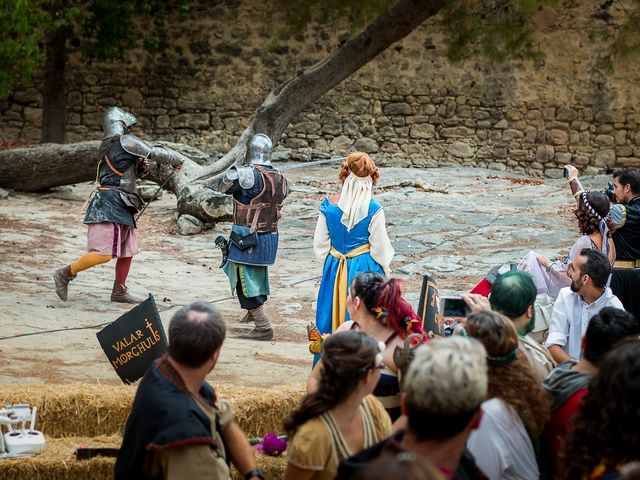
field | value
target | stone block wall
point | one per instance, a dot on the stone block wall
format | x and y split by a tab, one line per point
410	106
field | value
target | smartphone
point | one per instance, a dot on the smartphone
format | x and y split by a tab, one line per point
454	307
565	172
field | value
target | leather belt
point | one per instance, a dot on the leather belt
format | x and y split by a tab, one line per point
627	264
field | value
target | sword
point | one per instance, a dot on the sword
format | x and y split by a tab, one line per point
293	166
284	168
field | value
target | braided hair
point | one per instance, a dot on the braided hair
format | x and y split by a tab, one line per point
383	298
593	209
346	359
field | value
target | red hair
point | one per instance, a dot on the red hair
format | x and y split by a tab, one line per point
400	315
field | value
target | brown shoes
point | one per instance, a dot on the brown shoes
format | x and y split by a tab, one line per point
121	295
247	317
256	334
61	278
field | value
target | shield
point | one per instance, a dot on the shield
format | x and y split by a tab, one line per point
428	306
134	340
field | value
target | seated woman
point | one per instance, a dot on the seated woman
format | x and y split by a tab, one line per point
376	307
350	237
340	417
514	416
595	227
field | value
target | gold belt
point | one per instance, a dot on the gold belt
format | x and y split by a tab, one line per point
339	310
627	264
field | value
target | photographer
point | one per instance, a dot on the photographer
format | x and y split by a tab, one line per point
625	215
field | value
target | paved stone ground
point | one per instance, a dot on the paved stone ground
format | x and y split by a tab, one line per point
452	223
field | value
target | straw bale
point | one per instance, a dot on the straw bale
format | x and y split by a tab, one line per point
272	468
74	410
262	410
57	461
77	410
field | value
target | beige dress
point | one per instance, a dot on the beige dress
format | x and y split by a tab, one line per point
318	444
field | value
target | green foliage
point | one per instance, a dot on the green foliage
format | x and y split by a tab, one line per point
19	50
106	28
497	29
355	13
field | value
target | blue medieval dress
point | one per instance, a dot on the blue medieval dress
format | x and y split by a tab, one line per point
364	248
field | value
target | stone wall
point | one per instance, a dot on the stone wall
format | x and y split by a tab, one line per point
409	106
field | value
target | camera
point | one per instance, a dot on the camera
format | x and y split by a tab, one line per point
453	307
609	192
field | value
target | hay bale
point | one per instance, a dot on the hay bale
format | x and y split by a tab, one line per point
86	410
262	410
272	467
57	461
74	410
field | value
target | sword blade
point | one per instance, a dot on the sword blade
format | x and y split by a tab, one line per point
293	166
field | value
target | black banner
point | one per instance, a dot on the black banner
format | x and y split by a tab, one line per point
428	306
134	340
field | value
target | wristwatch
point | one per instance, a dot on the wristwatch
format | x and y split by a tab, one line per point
256	473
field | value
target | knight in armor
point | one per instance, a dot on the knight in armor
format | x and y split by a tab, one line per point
258	191
122	158
625	215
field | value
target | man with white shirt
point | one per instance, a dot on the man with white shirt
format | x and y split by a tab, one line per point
577	304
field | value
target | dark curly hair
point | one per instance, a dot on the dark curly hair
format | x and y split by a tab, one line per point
587	221
605	429
383	298
511	378
346	359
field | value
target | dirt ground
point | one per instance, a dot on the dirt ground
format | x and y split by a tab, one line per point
456	229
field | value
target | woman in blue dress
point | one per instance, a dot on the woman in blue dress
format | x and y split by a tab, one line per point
350	237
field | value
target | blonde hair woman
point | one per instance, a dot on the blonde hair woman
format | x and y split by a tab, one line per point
350	237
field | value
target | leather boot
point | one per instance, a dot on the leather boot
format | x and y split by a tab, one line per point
61	278
247	318
263	330
256	334
121	295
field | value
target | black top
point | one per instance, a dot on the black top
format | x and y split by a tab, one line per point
626	238
163	416
108	205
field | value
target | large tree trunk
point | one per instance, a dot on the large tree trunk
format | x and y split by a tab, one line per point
293	96
53	93
194	185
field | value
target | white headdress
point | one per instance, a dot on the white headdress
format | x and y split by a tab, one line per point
355	199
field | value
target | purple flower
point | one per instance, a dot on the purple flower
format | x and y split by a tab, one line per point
272	445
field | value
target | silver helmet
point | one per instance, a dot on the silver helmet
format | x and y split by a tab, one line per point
117	122
259	150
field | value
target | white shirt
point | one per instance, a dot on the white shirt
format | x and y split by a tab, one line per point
501	446
571	316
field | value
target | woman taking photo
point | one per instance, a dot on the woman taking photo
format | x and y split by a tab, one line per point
350	237
340	417
376	307
595	228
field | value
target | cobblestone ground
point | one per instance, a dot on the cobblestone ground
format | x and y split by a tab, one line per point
451	223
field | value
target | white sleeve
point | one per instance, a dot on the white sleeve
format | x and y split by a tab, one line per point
559	325
381	249
582	242
321	239
484	443
618	214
